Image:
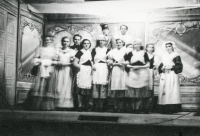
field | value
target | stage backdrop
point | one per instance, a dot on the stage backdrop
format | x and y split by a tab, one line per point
31	39
186	37
91	31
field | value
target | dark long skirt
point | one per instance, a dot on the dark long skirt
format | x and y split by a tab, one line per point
99	95
138	99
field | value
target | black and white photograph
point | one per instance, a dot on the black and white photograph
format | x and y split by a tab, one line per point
99	67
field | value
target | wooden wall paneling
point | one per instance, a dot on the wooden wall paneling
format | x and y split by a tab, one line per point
10	59
3	23
190	97
26	13
23	89
31	27
10	6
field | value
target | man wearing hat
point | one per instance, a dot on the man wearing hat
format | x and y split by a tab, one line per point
110	40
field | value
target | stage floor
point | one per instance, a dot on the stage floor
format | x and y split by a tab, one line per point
179	119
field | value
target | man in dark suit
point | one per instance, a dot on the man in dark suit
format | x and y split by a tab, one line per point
77	40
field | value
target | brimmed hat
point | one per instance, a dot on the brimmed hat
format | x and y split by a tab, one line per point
104	26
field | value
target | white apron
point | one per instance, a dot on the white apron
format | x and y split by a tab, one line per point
140	77
169	88
100	76
84	76
118	77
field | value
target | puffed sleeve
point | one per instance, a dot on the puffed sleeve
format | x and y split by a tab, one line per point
110	54
37	53
37	56
57	55
178	67
160	68
107	51
93	53
113	42
156	61
73	53
78	54
127	57
146	57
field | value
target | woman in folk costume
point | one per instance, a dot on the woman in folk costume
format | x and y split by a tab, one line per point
150	48
138	78
65	76
169	97
43	94
83	62
100	74
118	75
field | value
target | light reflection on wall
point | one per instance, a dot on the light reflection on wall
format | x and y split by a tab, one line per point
30	42
31	39
187	43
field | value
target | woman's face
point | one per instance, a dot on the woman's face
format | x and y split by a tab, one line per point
105	32
47	41
119	44
169	48
150	48
102	43
123	30
86	45
65	43
137	46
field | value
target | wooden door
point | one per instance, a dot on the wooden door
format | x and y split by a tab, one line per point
10	58
3	22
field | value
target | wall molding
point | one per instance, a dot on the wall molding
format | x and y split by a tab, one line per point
9	7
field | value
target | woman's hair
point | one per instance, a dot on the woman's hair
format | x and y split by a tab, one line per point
77	35
65	37
47	36
125	26
140	43
128	44
121	40
170	43
83	43
150	44
99	39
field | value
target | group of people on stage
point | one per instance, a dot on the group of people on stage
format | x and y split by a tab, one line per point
75	77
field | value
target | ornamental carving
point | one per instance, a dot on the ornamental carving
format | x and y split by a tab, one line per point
73	29
179	28
32	26
185	35
31	39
